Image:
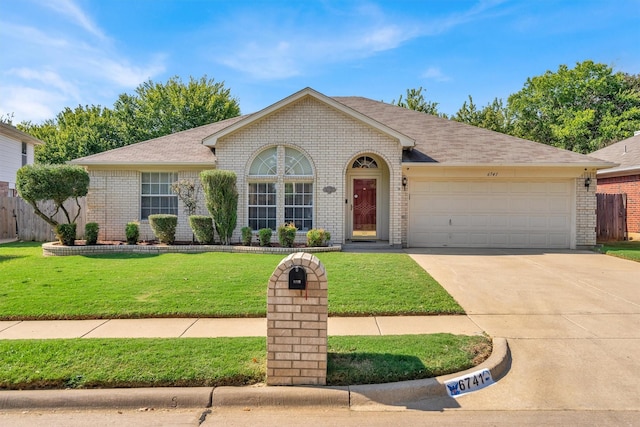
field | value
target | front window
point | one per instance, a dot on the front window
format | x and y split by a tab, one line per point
157	196
298	205
24	153
262	205
280	189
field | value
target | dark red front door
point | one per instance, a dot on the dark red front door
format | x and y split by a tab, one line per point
364	207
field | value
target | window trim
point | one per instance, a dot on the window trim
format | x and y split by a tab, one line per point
25	153
172	210
281	179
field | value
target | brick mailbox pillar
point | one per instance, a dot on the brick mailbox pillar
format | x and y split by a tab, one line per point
297	322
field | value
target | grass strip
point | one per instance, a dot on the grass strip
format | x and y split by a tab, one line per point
627	250
210	284
113	363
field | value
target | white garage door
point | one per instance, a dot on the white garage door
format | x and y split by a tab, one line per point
501	214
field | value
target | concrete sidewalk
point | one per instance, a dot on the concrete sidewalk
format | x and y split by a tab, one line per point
392	396
221	327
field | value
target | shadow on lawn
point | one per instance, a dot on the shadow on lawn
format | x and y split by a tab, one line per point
365	368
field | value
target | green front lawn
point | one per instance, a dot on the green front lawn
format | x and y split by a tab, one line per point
628	250
202	285
91	363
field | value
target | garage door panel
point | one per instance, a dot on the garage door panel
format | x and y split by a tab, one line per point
479	239
559	240
498	222
479	221
491	214
539	222
498	240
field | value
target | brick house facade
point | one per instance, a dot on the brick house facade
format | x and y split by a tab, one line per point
624	178
363	170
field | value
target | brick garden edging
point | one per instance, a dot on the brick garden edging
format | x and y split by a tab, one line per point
55	249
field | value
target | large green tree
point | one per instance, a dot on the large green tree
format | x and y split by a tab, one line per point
414	100
494	116
154	110
580	109
158	109
75	133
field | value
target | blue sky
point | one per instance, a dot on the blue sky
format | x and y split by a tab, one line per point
62	53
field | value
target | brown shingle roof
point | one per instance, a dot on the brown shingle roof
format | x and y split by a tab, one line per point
625	152
178	148
437	141
446	141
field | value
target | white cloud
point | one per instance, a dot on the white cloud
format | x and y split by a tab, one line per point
46	77
124	74
28	35
265	61
47	65
434	73
279	48
29	104
72	11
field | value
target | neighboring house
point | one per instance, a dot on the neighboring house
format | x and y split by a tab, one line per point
624	178
16	150
363	170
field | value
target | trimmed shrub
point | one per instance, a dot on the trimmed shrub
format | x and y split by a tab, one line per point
318	237
132	231
247	235
57	183
91	233
66	234
264	235
287	234
221	196
202	227
164	227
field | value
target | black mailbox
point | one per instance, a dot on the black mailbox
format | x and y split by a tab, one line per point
297	278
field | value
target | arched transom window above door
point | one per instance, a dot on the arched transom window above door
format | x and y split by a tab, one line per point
364	162
280	189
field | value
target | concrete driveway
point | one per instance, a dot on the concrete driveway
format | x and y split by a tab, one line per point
572	320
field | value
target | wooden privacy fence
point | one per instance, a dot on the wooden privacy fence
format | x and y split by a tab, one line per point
18	220
612	217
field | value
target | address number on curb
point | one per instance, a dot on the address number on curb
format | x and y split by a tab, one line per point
468	383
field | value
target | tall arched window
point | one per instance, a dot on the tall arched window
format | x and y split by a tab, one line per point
280	189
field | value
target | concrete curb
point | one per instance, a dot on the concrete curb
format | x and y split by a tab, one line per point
402	393
162	397
360	396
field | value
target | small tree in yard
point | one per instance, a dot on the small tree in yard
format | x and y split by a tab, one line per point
188	191
221	196
58	183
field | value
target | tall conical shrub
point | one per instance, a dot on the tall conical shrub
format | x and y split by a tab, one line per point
221	196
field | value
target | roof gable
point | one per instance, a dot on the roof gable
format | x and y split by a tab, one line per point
626	153
18	135
403	139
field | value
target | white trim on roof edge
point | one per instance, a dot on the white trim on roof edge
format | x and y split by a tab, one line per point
613	172
596	165
211	140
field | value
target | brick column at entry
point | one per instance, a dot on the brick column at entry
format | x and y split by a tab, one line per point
297	324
